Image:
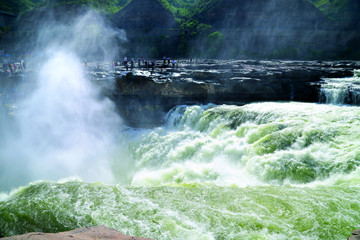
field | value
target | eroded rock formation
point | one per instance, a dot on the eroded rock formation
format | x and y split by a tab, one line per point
147	94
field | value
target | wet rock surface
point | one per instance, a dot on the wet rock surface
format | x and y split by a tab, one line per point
92	233
143	96
145	93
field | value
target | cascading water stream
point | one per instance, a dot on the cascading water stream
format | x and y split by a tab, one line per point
341	90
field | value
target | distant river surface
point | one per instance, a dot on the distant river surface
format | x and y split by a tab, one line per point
261	171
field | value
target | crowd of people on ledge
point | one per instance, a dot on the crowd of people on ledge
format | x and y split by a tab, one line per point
11	67
146	63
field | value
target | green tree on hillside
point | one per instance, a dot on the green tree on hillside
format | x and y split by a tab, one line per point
214	44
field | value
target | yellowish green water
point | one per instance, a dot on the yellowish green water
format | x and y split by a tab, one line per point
261	171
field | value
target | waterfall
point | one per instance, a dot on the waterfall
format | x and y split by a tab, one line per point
341	90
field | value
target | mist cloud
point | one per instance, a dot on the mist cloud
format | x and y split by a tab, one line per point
64	127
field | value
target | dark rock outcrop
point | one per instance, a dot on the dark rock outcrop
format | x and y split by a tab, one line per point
92	233
146	95
144	15
151	29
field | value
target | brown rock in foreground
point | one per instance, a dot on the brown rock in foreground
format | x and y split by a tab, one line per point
355	235
91	233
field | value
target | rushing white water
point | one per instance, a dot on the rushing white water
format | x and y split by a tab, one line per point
263	143
260	171
341	90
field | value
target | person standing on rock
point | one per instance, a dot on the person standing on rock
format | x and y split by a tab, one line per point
152	65
114	66
126	63
85	63
132	63
11	68
173	63
24	64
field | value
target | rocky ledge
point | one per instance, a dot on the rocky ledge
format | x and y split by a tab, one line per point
91	233
147	94
144	96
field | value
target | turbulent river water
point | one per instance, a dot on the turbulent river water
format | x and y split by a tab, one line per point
268	170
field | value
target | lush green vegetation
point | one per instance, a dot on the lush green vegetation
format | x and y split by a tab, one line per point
104	6
21	6
183	10
16	6
204	6
333	9
191	16
180	8
214	43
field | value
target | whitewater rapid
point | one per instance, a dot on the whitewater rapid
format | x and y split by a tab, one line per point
267	170
260	143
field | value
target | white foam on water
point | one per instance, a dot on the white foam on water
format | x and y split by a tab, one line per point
257	144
